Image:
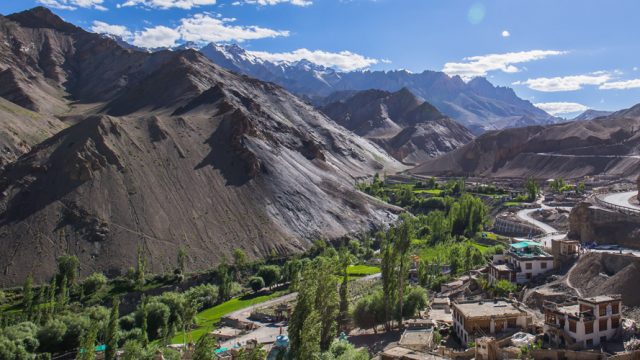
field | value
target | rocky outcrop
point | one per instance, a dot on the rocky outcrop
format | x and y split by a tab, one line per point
589	223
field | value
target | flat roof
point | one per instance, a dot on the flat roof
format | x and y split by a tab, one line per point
601	298
524	244
488	309
416	336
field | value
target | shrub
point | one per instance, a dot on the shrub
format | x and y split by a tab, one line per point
93	283
270	274
256	283
51	335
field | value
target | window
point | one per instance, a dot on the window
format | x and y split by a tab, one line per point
615	322
602	324
528	266
615	308
590	343
588	327
572	326
602	309
543	265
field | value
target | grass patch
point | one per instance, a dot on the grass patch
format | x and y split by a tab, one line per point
512	203
434	192
206	319
362	270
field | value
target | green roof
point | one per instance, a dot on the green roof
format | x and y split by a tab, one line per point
524	244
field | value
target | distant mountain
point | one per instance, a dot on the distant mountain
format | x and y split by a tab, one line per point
165	150
591	114
477	104
409	128
605	146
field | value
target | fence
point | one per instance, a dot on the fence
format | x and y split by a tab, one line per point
623	209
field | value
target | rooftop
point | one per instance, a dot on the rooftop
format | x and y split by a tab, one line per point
416	337
488	309
601	298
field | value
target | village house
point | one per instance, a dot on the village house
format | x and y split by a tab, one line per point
589	322
473	319
520	263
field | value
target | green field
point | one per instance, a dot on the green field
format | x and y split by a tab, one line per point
434	192
362	270
206	319
512	203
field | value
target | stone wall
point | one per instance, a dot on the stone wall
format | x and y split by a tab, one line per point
592	224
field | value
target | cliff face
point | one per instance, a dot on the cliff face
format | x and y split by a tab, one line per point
592	224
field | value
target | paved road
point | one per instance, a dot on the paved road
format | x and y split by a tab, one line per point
550	231
592	156
621	199
526	216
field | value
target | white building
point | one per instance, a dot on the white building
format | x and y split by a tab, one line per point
523	261
588	323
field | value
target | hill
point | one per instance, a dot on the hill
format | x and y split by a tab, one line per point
607	145
409	128
167	150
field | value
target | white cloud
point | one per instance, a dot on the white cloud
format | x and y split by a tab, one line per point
480	65
565	83
204	28
505	34
74	4
168	4
344	60
621	85
556	108
104	28
635	68
276	2
156	37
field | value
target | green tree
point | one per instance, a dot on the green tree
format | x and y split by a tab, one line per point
311	337
204	349
111	338
144	337
256	283
182	260
87	349
224	289
532	189
389	270
141	266
133	350
270	274
94	283
27	297
67	269
239	260
344	262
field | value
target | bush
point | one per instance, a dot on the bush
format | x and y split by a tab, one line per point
270	274
93	283
256	283
203	296
414	301
76	326
51	335
157	319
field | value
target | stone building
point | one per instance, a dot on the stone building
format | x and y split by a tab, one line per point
473	319
587	323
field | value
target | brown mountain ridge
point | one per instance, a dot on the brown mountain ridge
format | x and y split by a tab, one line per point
167	150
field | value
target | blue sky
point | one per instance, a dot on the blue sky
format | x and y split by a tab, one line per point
567	55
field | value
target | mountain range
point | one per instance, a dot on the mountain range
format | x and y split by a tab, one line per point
477	104
119	149
406	126
608	145
591	114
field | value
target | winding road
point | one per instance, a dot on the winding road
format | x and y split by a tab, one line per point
622	199
550	232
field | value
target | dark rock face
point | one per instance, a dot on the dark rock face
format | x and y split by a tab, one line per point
607	145
409	128
476	104
167	150
592	224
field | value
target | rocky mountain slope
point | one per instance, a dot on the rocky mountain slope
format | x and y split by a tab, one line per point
608	145
409	128
167	150
477	104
